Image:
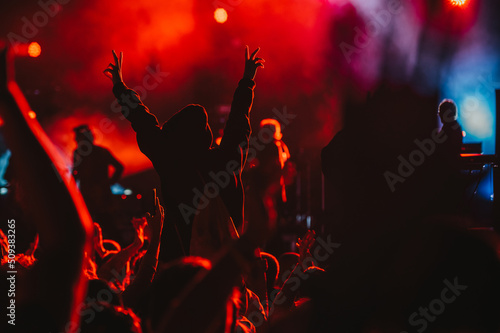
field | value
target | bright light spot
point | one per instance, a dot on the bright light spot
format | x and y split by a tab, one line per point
34	49
475	117
117	189
124	196
127	191
32	114
218	140
464	134
1	121
220	15
3	191
139	197
458	3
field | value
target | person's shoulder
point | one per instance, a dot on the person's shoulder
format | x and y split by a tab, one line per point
101	149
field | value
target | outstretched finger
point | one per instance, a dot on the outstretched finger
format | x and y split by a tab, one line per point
247	57
259	62
121	59
157	203
254	53
115	57
108	73
110	68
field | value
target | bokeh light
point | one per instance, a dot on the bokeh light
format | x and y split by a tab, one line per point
477	117
220	15
32	114
458	3
34	49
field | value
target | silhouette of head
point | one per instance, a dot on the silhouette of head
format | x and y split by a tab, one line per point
189	129
447	111
83	133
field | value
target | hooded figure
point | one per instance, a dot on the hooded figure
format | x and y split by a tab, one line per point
193	174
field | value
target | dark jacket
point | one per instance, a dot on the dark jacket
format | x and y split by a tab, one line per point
189	168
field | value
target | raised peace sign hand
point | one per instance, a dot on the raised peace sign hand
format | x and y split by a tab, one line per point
252	63
114	72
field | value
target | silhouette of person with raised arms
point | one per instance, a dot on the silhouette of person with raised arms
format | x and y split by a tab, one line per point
91	168
191	171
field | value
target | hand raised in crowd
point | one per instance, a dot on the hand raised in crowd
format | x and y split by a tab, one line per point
155	222
252	63
114	72
139	236
142	223
305	244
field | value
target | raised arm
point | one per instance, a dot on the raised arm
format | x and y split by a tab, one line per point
144	123
237	131
147	269
55	285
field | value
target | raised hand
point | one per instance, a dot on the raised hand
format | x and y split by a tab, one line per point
139	236
252	63
142	223
305	244
114	72
156	222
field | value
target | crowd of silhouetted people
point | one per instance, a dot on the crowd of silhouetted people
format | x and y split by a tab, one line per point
394	255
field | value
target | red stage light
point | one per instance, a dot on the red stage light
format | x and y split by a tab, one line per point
458	3
139	197
34	49
220	15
